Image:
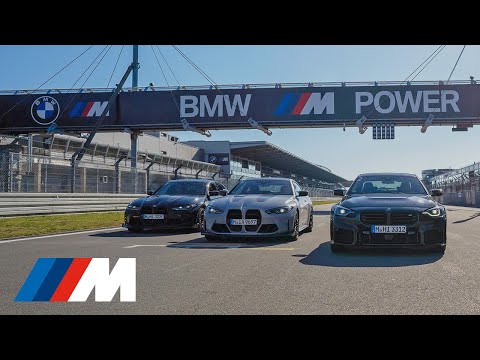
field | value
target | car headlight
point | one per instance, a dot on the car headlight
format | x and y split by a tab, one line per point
342	211
214	210
185	207
279	210
434	212
133	207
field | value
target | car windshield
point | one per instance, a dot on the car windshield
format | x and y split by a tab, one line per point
182	188
260	187
387	184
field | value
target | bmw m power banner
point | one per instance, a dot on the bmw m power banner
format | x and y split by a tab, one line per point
232	108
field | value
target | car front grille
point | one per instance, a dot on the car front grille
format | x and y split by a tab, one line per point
403	218
374	218
234	214
395	218
253	214
147	209
249	214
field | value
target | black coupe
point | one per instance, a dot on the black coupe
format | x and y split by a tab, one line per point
388	210
177	204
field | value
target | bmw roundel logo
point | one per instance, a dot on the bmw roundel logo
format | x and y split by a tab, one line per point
45	110
212	159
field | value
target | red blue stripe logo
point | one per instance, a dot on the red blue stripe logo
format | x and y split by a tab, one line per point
292	104
88	109
53	279
73	279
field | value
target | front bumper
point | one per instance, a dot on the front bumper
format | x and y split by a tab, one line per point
268	225
425	233
173	220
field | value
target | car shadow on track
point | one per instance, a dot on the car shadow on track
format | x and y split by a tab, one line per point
321	212
467	219
323	256
202	243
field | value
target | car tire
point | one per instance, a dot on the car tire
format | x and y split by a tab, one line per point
336	248
310	224
296	227
135	230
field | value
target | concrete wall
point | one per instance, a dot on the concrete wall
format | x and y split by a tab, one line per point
151	144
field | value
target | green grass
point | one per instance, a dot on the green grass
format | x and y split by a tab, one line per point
52	224
322	202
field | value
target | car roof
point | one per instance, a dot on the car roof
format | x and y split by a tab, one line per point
387	174
192	180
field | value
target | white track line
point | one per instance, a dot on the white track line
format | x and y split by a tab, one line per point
58	235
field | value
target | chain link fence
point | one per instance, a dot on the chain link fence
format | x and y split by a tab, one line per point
47	174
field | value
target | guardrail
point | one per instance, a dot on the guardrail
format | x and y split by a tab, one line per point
14	204
18	204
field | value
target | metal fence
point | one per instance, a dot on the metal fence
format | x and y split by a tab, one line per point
461	187
47	174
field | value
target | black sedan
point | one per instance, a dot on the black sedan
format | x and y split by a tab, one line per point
388	210
175	205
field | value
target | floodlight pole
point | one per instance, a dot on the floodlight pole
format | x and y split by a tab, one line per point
134	134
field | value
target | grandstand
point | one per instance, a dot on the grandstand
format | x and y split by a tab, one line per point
42	163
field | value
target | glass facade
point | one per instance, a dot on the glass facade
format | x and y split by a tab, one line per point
243	167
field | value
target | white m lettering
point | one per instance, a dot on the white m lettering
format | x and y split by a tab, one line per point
97	109
106	283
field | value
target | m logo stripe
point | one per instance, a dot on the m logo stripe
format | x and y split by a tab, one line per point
35	279
77	110
287	104
301	103
53	278
71	279
87	109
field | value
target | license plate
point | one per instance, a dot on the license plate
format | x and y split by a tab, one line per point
389	229
243	221
153	216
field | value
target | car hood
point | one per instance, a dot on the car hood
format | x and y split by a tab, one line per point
263	202
383	201
168	201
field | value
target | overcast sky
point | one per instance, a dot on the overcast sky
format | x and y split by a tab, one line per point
345	153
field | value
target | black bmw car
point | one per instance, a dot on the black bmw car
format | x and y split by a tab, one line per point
388	210
177	204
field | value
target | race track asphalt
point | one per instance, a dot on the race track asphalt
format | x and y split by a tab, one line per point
181	273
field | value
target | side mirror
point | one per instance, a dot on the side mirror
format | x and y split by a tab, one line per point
213	193
436	192
149	192
223	192
302	193
339	192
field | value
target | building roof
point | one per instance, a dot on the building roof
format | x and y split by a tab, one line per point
387	174
275	157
